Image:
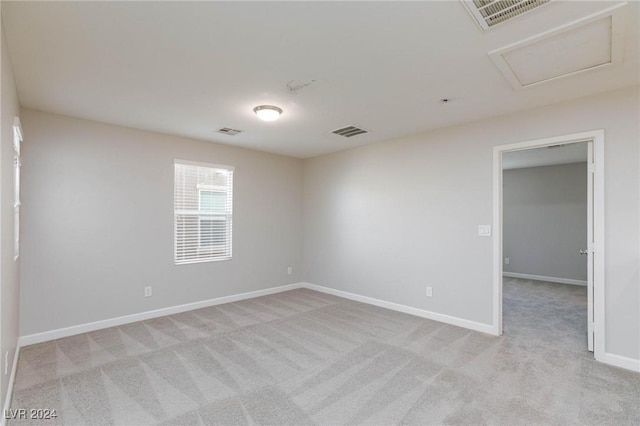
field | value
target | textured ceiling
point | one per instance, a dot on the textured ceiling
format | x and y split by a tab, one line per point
190	68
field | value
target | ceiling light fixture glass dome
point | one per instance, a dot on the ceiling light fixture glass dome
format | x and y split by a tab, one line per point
267	112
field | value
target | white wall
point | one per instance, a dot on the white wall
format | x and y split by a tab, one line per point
545	220
9	268
388	219
98	222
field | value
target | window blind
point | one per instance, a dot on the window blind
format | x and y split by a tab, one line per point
203	211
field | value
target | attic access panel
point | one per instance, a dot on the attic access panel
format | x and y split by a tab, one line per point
583	45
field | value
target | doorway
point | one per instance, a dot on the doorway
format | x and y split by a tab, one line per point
593	143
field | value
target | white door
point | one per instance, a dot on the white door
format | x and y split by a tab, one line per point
589	252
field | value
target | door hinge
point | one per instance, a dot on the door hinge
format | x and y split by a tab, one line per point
592	168
590	327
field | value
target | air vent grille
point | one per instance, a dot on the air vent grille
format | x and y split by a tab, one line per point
489	13
229	131
349	131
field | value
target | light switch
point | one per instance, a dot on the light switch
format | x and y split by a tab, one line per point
484	230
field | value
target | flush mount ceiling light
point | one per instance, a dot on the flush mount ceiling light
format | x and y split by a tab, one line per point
267	112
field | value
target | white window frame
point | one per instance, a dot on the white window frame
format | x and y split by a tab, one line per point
208	188
17	163
202	251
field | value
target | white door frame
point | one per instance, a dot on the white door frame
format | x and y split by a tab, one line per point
597	137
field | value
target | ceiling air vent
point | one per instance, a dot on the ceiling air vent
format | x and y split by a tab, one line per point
489	13
349	131
229	131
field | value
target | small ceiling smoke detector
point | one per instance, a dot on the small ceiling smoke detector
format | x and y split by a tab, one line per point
267	112
349	131
229	131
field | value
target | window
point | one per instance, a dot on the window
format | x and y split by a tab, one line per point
17	140
212	200
203	201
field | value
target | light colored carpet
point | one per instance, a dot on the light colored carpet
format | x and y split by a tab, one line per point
302	357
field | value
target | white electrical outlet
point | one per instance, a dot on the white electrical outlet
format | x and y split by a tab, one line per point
429	291
506	260
289	270
147	291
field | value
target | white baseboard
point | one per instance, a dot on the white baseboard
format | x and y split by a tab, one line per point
32	339
447	319
607	358
543	278
620	361
12	378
